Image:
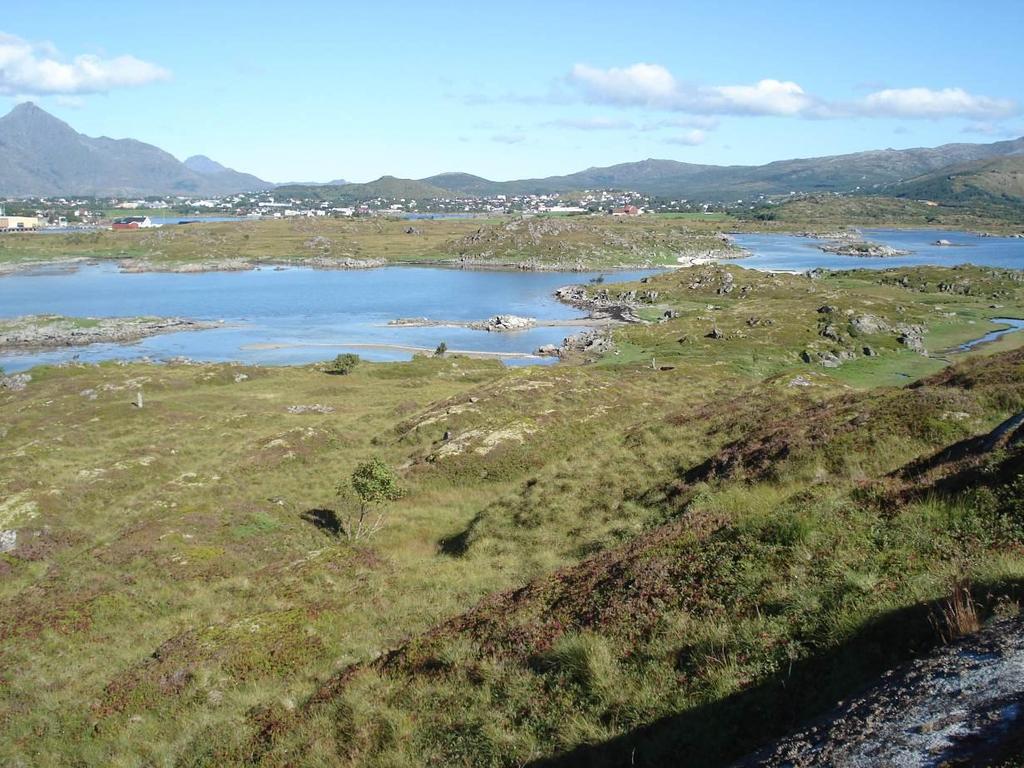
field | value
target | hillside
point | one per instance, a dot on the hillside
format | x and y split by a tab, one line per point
668	178
998	181
592	563
41	155
223	177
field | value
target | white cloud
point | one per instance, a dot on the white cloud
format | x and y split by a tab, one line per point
704	122
766	97
590	124
654	86
38	69
509	138
925	102
636	84
689	139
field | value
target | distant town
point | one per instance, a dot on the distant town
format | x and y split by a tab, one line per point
60	213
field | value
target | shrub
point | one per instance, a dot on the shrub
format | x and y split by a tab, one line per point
442	348
343	364
374	484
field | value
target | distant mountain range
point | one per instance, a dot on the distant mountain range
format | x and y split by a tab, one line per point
896	172
41	155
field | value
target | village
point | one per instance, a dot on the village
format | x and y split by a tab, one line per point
40	215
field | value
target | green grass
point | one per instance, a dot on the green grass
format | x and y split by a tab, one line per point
593	242
172	599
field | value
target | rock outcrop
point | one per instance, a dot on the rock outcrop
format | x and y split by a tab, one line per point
50	331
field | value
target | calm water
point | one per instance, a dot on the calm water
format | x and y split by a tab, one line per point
303	315
296	308
797	254
1014	324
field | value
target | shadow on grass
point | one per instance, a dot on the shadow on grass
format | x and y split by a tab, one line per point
324	519
724	731
457	545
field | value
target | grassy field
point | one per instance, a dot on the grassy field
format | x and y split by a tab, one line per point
591	560
540	242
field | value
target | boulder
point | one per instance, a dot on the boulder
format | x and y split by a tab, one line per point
832	332
829	360
16	382
869	324
502	323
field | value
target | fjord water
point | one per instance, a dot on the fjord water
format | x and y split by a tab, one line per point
791	253
287	316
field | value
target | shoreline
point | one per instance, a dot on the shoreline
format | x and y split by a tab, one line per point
266	346
127	266
579	322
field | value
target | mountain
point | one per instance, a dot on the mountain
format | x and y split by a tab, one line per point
41	155
668	178
992	180
875	171
222	176
385	186
332	183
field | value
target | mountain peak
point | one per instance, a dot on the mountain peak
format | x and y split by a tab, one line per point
203	164
45	156
27	107
30	111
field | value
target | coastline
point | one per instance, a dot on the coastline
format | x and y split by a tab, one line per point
389	347
136	265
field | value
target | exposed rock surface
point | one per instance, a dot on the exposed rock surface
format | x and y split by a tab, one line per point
500	323
862	248
314	408
590	342
963	705
602	303
16	382
47	331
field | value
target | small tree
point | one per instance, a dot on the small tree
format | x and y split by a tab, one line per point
343	364
442	348
375	484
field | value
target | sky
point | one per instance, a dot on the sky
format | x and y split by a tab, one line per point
313	91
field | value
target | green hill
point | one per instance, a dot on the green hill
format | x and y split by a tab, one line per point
998	180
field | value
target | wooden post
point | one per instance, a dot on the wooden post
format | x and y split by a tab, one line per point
138	399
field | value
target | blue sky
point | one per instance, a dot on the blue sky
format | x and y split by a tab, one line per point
313	90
